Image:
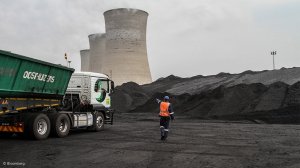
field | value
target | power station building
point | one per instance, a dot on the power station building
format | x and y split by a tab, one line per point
85	60
97	51
121	52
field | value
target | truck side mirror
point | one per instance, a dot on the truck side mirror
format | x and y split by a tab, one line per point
112	83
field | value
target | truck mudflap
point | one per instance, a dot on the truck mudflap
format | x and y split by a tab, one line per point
109	116
16	128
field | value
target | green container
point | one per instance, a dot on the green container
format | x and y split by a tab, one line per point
22	76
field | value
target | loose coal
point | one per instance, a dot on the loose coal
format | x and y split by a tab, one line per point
128	96
270	96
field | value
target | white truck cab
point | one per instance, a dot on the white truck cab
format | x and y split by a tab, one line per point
91	88
88	97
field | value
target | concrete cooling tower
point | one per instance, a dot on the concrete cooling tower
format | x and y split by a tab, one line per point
126	51
85	60
97	52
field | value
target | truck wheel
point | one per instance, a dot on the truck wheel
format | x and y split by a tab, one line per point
60	125
98	122
39	127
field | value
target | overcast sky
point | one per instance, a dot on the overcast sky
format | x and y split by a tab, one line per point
184	37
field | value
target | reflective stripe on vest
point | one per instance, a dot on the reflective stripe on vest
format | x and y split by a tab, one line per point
164	109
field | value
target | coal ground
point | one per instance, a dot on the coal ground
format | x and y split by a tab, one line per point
133	141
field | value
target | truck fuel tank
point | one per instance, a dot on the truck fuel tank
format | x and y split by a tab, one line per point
83	119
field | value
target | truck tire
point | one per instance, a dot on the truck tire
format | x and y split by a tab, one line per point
60	125
98	122
38	127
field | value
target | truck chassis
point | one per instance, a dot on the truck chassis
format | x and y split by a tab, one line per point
38	118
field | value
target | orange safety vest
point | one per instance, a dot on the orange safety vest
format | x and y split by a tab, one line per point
164	109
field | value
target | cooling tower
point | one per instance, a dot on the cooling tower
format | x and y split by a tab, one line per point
126	51
97	51
85	60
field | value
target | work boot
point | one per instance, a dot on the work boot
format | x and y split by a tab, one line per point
166	135
162	133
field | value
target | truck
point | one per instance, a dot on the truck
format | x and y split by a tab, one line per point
38	99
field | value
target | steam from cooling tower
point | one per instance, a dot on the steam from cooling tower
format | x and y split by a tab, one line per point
122	51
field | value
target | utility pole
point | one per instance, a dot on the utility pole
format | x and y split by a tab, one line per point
273	53
69	64
66	58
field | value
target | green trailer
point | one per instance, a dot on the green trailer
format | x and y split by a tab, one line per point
27	83
24	77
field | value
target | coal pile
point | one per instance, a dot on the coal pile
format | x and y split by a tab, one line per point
128	96
266	96
275	103
163	84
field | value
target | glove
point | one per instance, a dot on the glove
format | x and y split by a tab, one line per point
157	100
172	117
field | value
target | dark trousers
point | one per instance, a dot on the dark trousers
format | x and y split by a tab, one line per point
164	127
164	121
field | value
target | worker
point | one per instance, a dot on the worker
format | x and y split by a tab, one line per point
166	113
